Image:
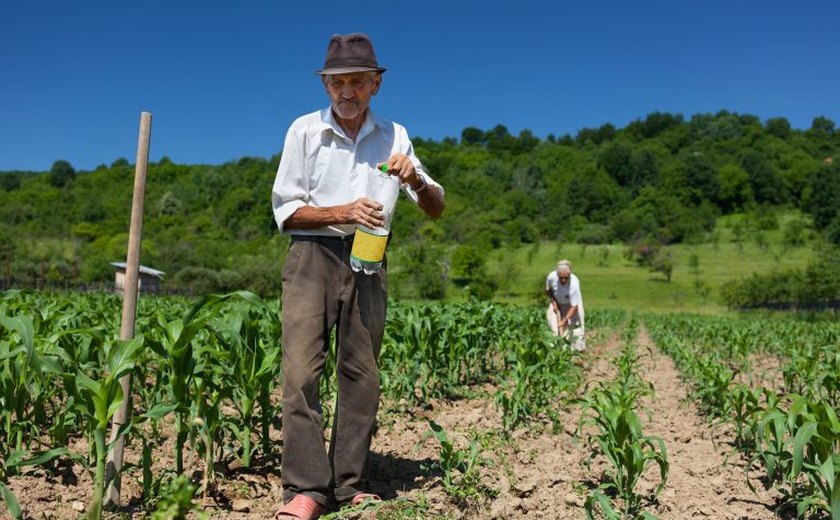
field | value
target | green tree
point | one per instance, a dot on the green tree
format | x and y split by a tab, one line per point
169	204
62	173
735	189
778	127
7	254
701	177
9	181
472	136
654	124
766	185
664	264
825	195
468	263
615	159
822	125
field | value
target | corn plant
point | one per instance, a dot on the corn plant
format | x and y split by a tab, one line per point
621	441
611	409
25	382
12	505
745	406
100	400
177	501
459	467
800	451
600	500
540	370
181	367
540	373
250	353
794	436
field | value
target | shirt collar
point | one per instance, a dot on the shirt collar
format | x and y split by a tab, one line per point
370	124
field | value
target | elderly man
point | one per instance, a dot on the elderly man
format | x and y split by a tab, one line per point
565	309
315	199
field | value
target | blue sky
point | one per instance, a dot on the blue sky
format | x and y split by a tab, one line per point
224	79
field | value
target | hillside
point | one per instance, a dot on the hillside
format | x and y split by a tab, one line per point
660	181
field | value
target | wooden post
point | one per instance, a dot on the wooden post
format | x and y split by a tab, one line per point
129	308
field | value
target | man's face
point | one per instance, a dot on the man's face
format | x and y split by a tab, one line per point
563	276
350	93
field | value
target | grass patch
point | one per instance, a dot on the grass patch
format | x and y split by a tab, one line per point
609	280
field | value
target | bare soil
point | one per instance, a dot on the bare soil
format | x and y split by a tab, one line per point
531	473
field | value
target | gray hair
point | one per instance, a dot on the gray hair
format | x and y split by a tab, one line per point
564	266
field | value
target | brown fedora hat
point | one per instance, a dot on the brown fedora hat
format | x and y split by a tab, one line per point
348	53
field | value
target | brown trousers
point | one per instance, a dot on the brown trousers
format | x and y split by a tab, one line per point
320	291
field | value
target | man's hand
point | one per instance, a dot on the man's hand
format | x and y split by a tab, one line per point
401	166
364	211
430	200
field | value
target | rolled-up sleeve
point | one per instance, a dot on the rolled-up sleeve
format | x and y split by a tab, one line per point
291	185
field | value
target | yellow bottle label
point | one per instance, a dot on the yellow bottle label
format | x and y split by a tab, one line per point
369	247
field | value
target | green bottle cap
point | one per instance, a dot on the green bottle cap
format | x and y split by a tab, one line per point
384	168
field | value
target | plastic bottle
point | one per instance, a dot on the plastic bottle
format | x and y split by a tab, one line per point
369	244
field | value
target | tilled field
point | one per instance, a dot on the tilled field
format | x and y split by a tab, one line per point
531	472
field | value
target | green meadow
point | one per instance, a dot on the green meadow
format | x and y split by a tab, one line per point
609	279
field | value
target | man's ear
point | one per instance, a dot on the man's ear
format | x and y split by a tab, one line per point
377	82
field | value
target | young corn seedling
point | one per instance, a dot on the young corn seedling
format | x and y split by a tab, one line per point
620	439
101	398
628	451
251	357
461	479
745	405
815	431
177	359
26	382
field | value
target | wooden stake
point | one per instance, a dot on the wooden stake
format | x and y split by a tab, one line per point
129	309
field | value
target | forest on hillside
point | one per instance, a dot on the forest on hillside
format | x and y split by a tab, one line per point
662	179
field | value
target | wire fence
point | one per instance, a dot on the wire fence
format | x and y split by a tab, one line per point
101	286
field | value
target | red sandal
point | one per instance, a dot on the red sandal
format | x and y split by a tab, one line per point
361	498
301	507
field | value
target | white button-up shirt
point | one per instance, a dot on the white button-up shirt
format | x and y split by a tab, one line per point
567	295
322	167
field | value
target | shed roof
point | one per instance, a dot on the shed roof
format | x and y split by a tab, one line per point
143	269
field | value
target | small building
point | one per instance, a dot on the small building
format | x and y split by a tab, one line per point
148	281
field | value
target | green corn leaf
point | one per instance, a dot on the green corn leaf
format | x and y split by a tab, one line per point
12	505
800	443
831	414
87	383
121	356
116	402
834	505
24	327
826	470
49	364
46	456
14	458
159	411
13	353
156	347
599	498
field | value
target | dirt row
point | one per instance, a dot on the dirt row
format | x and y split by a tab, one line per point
532	473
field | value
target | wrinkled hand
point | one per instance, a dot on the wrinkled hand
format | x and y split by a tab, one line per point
364	211
401	166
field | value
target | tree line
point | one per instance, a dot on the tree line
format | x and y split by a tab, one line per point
661	179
